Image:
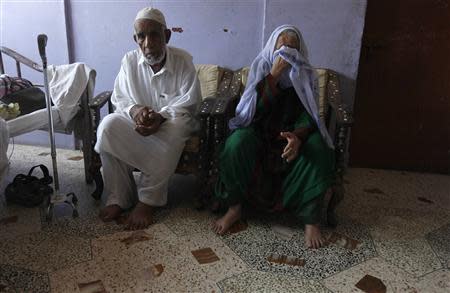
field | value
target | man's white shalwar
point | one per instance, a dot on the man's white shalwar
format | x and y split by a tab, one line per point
174	92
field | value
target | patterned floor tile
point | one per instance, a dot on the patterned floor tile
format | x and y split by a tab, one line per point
395	279
259	241
113	253
44	252
228	264
68	279
13	279
440	242
407	188
254	281
413	255
15	221
187	221
401	214
436	282
403	224
163	247
374	211
117	245
85	227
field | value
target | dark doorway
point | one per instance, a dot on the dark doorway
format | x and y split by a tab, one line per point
402	104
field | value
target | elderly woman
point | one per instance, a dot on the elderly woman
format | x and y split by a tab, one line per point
279	155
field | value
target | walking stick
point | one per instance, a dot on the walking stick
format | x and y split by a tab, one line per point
56	198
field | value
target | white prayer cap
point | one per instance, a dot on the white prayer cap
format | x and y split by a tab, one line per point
152	14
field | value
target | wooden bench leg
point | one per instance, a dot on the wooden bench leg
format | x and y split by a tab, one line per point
87	156
96	163
337	196
97	176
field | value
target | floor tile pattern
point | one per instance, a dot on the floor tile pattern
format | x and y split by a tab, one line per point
399	222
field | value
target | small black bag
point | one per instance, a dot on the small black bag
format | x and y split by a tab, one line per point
30	99
28	190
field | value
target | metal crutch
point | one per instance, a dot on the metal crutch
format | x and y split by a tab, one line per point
56	198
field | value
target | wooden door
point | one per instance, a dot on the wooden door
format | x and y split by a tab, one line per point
402	103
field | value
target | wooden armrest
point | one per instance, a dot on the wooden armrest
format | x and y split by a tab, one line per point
100	100
206	106
221	106
344	116
215	106
21	59
224	105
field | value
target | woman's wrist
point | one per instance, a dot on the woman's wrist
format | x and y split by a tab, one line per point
303	132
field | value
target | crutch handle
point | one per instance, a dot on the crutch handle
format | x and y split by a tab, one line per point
42	42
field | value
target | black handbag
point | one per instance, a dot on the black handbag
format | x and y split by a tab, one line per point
28	190
30	99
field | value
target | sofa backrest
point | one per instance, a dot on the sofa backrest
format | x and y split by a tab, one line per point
212	77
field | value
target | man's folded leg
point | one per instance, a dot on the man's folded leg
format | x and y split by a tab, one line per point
152	192
119	186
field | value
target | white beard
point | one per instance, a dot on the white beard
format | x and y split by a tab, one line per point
152	60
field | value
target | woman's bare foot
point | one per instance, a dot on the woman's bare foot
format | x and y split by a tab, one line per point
231	216
140	218
313	237
215	206
110	213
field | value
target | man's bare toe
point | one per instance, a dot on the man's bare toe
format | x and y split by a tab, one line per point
140	218
110	213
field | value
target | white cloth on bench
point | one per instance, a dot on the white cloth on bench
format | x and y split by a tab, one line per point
66	85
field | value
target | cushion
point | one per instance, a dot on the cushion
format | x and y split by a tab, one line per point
209	76
244	73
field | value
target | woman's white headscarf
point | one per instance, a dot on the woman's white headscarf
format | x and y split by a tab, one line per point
301	75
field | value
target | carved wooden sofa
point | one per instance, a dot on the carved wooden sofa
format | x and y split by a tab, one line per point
221	89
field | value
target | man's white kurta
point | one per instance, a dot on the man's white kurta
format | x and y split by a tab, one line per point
174	92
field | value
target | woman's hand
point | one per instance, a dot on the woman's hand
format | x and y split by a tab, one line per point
278	67
292	148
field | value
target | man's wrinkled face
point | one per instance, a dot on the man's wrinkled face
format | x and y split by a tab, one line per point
151	38
288	40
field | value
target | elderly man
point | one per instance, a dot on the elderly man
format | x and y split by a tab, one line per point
155	96
280	155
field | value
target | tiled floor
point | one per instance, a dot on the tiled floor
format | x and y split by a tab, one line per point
399	223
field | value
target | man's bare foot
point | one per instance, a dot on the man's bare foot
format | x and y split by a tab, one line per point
313	237
231	216
140	218
110	213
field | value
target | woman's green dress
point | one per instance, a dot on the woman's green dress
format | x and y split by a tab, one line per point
252	171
